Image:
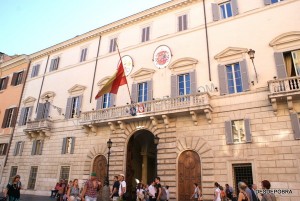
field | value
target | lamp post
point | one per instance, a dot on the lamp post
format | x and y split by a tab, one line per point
156	140
251	55
109	145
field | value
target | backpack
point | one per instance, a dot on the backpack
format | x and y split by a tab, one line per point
163	194
223	194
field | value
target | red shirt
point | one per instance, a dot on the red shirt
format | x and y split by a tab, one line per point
91	191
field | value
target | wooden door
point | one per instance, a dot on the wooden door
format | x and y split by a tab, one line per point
100	167
189	172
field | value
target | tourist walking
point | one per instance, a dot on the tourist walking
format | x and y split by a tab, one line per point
140	193
13	189
196	193
122	188
243	196
229	191
266	185
152	191
115	189
73	193
91	188
158	188
253	189
217	193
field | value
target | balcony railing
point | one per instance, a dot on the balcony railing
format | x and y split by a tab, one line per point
290	84
156	107
40	127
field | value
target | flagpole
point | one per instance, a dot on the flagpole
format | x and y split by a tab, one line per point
124	72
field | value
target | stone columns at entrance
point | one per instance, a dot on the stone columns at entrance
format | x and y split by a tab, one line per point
144	167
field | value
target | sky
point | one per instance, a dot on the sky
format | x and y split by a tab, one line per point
28	26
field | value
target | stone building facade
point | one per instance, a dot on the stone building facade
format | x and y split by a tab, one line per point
220	114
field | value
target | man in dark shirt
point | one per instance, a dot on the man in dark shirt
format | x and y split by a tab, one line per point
158	188
115	190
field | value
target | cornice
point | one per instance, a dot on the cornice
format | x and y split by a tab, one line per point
127	21
14	62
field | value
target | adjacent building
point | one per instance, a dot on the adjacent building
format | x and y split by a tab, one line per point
214	96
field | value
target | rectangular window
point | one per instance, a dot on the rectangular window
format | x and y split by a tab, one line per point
18	148
32	177
35	70
68	145
83	55
182	22
37	147
24	116
74	107
275	1
225	10
145	34
184	84
292	63
142	92
3	149
13	172
64	173
234	78
242	172
106	100
238	131
54	64
3	83
113	45
8	117
17	78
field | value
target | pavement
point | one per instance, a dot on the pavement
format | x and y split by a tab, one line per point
35	198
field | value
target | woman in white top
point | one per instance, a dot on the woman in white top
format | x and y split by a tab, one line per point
196	193
217	192
122	188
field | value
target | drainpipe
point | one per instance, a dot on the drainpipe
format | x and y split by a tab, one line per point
18	108
207	45
95	69
42	84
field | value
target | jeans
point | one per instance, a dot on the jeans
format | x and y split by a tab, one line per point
87	198
11	198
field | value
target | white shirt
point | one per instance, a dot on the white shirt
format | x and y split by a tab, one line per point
122	185
152	190
168	194
218	191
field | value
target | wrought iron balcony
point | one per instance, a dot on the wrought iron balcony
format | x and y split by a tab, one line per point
189	104
38	128
285	89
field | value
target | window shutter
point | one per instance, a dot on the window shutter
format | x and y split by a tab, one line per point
244	74
23	77
41	147
14	79
267	2
184	22
14	117
143	34
234	6
180	23
72	145
5	148
33	71
174	86
248	130
21	148
148	34
37	69
68	108
99	103
295	125
150	90
79	105
64	145
29	113
33	147
134	92
193	82
5	82
81	56
222	80
112	99
16	148
215	11
57	63
46	110
21	119
280	65
52	65
5	118
228	132
40	111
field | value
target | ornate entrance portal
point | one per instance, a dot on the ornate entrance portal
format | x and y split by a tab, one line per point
189	172
99	166
141	157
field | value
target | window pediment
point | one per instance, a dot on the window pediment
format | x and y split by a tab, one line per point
183	64
231	53
29	101
103	81
77	89
48	95
143	74
286	40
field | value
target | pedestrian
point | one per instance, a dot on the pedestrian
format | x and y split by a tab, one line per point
217	193
196	193
248	191
253	189
140	192
73	191
122	188
13	189
91	188
266	185
152	191
158	188
243	196
115	189
61	190
229	191
168	193
223	194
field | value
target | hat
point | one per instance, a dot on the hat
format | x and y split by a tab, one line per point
122	175
93	174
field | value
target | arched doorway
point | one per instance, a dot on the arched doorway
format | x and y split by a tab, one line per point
141	159
189	172
99	166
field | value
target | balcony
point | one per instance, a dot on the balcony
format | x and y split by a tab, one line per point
162	108
281	90
40	128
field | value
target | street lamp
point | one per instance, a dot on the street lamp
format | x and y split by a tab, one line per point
109	145
251	55
156	140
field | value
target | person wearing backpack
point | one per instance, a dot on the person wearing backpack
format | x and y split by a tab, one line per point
13	189
223	194
161	194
